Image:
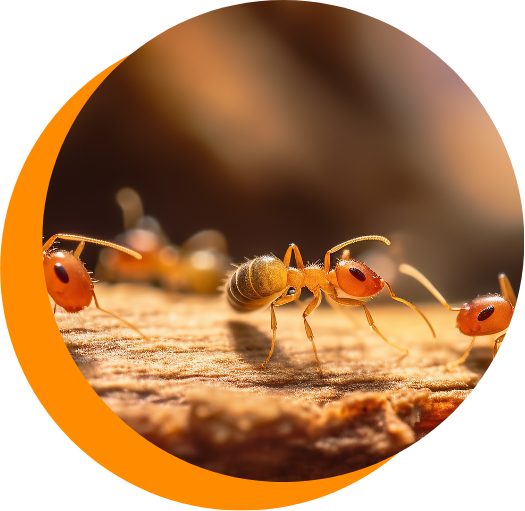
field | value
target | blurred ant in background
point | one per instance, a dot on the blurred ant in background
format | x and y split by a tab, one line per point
199	265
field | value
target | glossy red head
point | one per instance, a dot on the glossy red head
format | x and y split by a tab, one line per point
485	315
67	280
357	279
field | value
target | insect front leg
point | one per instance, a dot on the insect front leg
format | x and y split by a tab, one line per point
497	343
463	357
397	298
144	336
354	303
311	307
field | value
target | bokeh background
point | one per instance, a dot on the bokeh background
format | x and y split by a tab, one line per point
280	122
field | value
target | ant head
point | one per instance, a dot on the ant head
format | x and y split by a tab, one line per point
357	279
67	280
485	315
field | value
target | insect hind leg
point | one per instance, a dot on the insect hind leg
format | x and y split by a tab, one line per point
274	329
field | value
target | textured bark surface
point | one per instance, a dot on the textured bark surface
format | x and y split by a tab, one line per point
197	390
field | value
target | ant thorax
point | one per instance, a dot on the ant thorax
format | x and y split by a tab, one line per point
314	277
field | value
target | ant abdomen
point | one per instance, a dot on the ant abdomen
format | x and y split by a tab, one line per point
256	283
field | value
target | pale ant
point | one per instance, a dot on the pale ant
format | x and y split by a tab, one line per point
266	280
485	315
199	265
67	280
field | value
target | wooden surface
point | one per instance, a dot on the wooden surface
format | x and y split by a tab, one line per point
197	390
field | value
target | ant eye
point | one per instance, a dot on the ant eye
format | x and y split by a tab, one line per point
61	273
486	313
358	274
291	291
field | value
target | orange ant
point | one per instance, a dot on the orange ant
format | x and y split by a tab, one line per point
67	280
266	280
485	315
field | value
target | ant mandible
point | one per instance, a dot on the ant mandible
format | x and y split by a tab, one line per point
485	315
268	280
67	280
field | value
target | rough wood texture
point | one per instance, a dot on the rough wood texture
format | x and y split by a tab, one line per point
197	389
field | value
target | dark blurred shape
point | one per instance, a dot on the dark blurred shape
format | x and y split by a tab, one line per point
199	265
281	122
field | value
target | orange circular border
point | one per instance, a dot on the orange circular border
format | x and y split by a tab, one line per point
61	387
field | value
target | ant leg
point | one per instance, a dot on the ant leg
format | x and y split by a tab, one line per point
375	329
274	328
410	305
337	308
288	256
280	301
463	357
497	343
144	336
354	303
311	307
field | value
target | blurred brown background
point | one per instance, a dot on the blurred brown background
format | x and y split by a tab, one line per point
280	122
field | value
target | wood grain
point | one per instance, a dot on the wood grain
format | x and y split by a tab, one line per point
197	389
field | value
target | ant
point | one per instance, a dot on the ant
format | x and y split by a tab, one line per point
485	315
266	280
199	265
67	280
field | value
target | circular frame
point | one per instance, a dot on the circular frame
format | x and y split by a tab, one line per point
61	387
